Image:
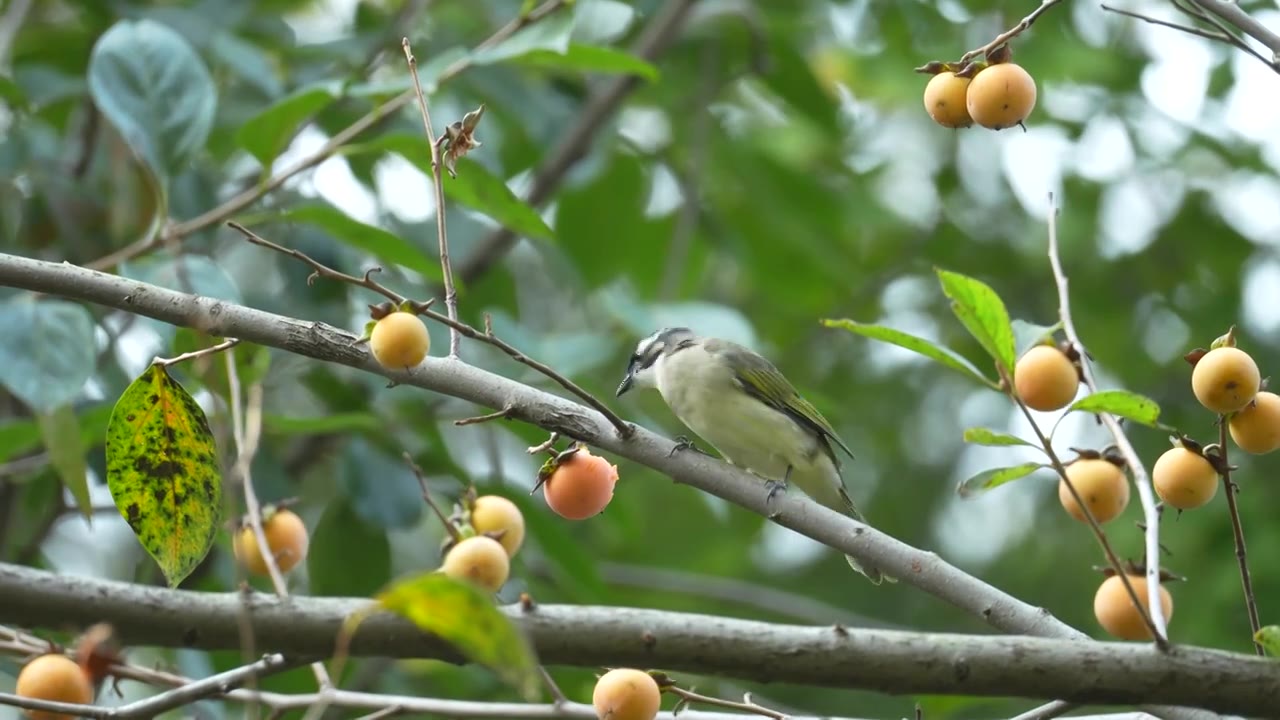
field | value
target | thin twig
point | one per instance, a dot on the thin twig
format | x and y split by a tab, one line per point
557	695
194	354
247	424
1237	532
1151	516
503	414
1048	711
385	712
624	428
177	232
1190	30
746	705
547	445
437	178
426	495
1023	25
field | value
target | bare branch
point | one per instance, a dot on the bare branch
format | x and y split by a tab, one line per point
1237	534
595	636
1013	32
1231	13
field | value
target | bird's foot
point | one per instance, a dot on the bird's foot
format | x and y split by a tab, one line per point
684	443
774	488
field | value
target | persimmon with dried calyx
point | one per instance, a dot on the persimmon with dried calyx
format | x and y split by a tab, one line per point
576	484
944	100
1001	96
1101	485
479	559
1046	379
1225	379
286	536
496	514
1184	478
1255	428
399	340
56	678
626	694
1116	612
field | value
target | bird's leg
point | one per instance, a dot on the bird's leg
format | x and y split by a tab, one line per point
684	443
776	488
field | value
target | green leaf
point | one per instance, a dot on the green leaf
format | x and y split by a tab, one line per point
155	90
481	190
1269	638
983	314
266	134
474	187
386	246
350	422
162	470
62	439
18	437
989	479
552	33
48	351
592	59
347	557
986	436
915	344
465	617
1121	403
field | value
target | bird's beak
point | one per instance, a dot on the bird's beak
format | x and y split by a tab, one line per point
625	385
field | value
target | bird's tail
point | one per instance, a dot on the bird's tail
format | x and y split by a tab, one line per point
871	572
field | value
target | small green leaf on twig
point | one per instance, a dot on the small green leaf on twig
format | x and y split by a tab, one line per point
1269	638
915	344
1121	403
986	436
988	479
983	314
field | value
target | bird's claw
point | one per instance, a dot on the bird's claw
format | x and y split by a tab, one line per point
683	443
773	489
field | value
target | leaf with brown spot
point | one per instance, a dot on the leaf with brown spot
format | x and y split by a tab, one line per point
162	472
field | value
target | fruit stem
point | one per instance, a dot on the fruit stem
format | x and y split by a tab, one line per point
1003	38
1237	531
747	705
426	495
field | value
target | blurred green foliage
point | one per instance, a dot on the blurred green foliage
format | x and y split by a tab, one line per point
773	168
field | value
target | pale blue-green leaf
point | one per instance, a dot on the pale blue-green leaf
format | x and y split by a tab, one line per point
385	246
575	353
986	436
48	350
1121	403
60	429
913	343
249	63
154	89
983	314
591	59
266	134
1027	335
552	33
197	274
602	21
989	479
382	489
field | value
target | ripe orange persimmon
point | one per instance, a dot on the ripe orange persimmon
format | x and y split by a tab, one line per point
1116	613
1046	379
1101	485
479	559
56	678
581	486
286	536
626	694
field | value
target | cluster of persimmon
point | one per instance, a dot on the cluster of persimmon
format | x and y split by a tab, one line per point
994	93
489	532
1047	378
287	541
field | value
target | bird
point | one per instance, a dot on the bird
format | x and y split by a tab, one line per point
740	403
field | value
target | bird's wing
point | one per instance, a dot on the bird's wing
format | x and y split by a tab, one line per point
759	378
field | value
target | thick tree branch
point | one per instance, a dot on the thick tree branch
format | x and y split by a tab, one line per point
912	566
573	144
592	636
1230	12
